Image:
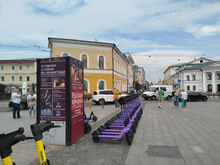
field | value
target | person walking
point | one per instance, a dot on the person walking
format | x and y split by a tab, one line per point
176	96
32	102
161	97
132	91
184	97
116	98
16	99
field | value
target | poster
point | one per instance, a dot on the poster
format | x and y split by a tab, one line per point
52	97
77	102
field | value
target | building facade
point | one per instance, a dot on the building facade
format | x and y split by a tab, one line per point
130	73
13	73
200	75
105	67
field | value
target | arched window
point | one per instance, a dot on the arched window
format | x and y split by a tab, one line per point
101	85
101	62
65	55
209	87
84	60
85	86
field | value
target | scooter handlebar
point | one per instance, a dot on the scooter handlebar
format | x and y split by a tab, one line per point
48	126
19	138
38	129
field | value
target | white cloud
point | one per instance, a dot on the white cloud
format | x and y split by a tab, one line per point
203	31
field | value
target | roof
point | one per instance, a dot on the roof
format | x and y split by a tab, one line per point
24	60
198	66
50	39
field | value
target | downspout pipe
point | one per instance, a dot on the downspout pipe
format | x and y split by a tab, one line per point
113	67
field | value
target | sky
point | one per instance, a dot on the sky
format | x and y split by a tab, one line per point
169	31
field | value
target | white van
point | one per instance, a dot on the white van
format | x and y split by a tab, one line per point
155	88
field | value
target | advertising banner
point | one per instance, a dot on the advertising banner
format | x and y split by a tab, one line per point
77	102
52	95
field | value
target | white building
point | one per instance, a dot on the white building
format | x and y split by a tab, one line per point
160	81
200	75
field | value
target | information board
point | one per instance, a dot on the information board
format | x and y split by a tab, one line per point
60	98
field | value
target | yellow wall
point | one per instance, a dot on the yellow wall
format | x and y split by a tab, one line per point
93	54
92	58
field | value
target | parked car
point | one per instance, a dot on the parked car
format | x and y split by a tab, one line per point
23	104
155	88
194	96
106	95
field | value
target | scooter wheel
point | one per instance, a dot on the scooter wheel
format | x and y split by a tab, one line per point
87	128
48	162
133	128
94	118
95	138
128	138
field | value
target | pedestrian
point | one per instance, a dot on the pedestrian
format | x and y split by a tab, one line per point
32	103
132	91
176	96
184	97
161	94
116	98
16	99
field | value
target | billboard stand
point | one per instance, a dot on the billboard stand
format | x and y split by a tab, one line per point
60	98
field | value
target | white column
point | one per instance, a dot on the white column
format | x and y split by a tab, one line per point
204	82
213	83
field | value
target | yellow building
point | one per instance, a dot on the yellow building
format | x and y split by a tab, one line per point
167	75
14	72
105	67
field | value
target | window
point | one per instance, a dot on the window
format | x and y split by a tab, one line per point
187	78
164	88
20	67
209	87
84	60
209	76
188	88
196	93
2	67
101	62
101	85
194	87
28	90
2	79
28	67
20	78
193	77
85	86
13	78
218	76
65	55
201	61
12	67
28	78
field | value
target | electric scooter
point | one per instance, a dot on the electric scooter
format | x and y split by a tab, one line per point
92	116
8	140
6	143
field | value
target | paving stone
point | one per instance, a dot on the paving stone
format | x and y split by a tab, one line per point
206	159
197	149
162	161
177	162
192	162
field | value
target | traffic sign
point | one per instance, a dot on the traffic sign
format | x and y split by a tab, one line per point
178	80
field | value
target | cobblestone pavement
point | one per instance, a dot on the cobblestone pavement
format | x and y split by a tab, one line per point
194	129
25	152
86	152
